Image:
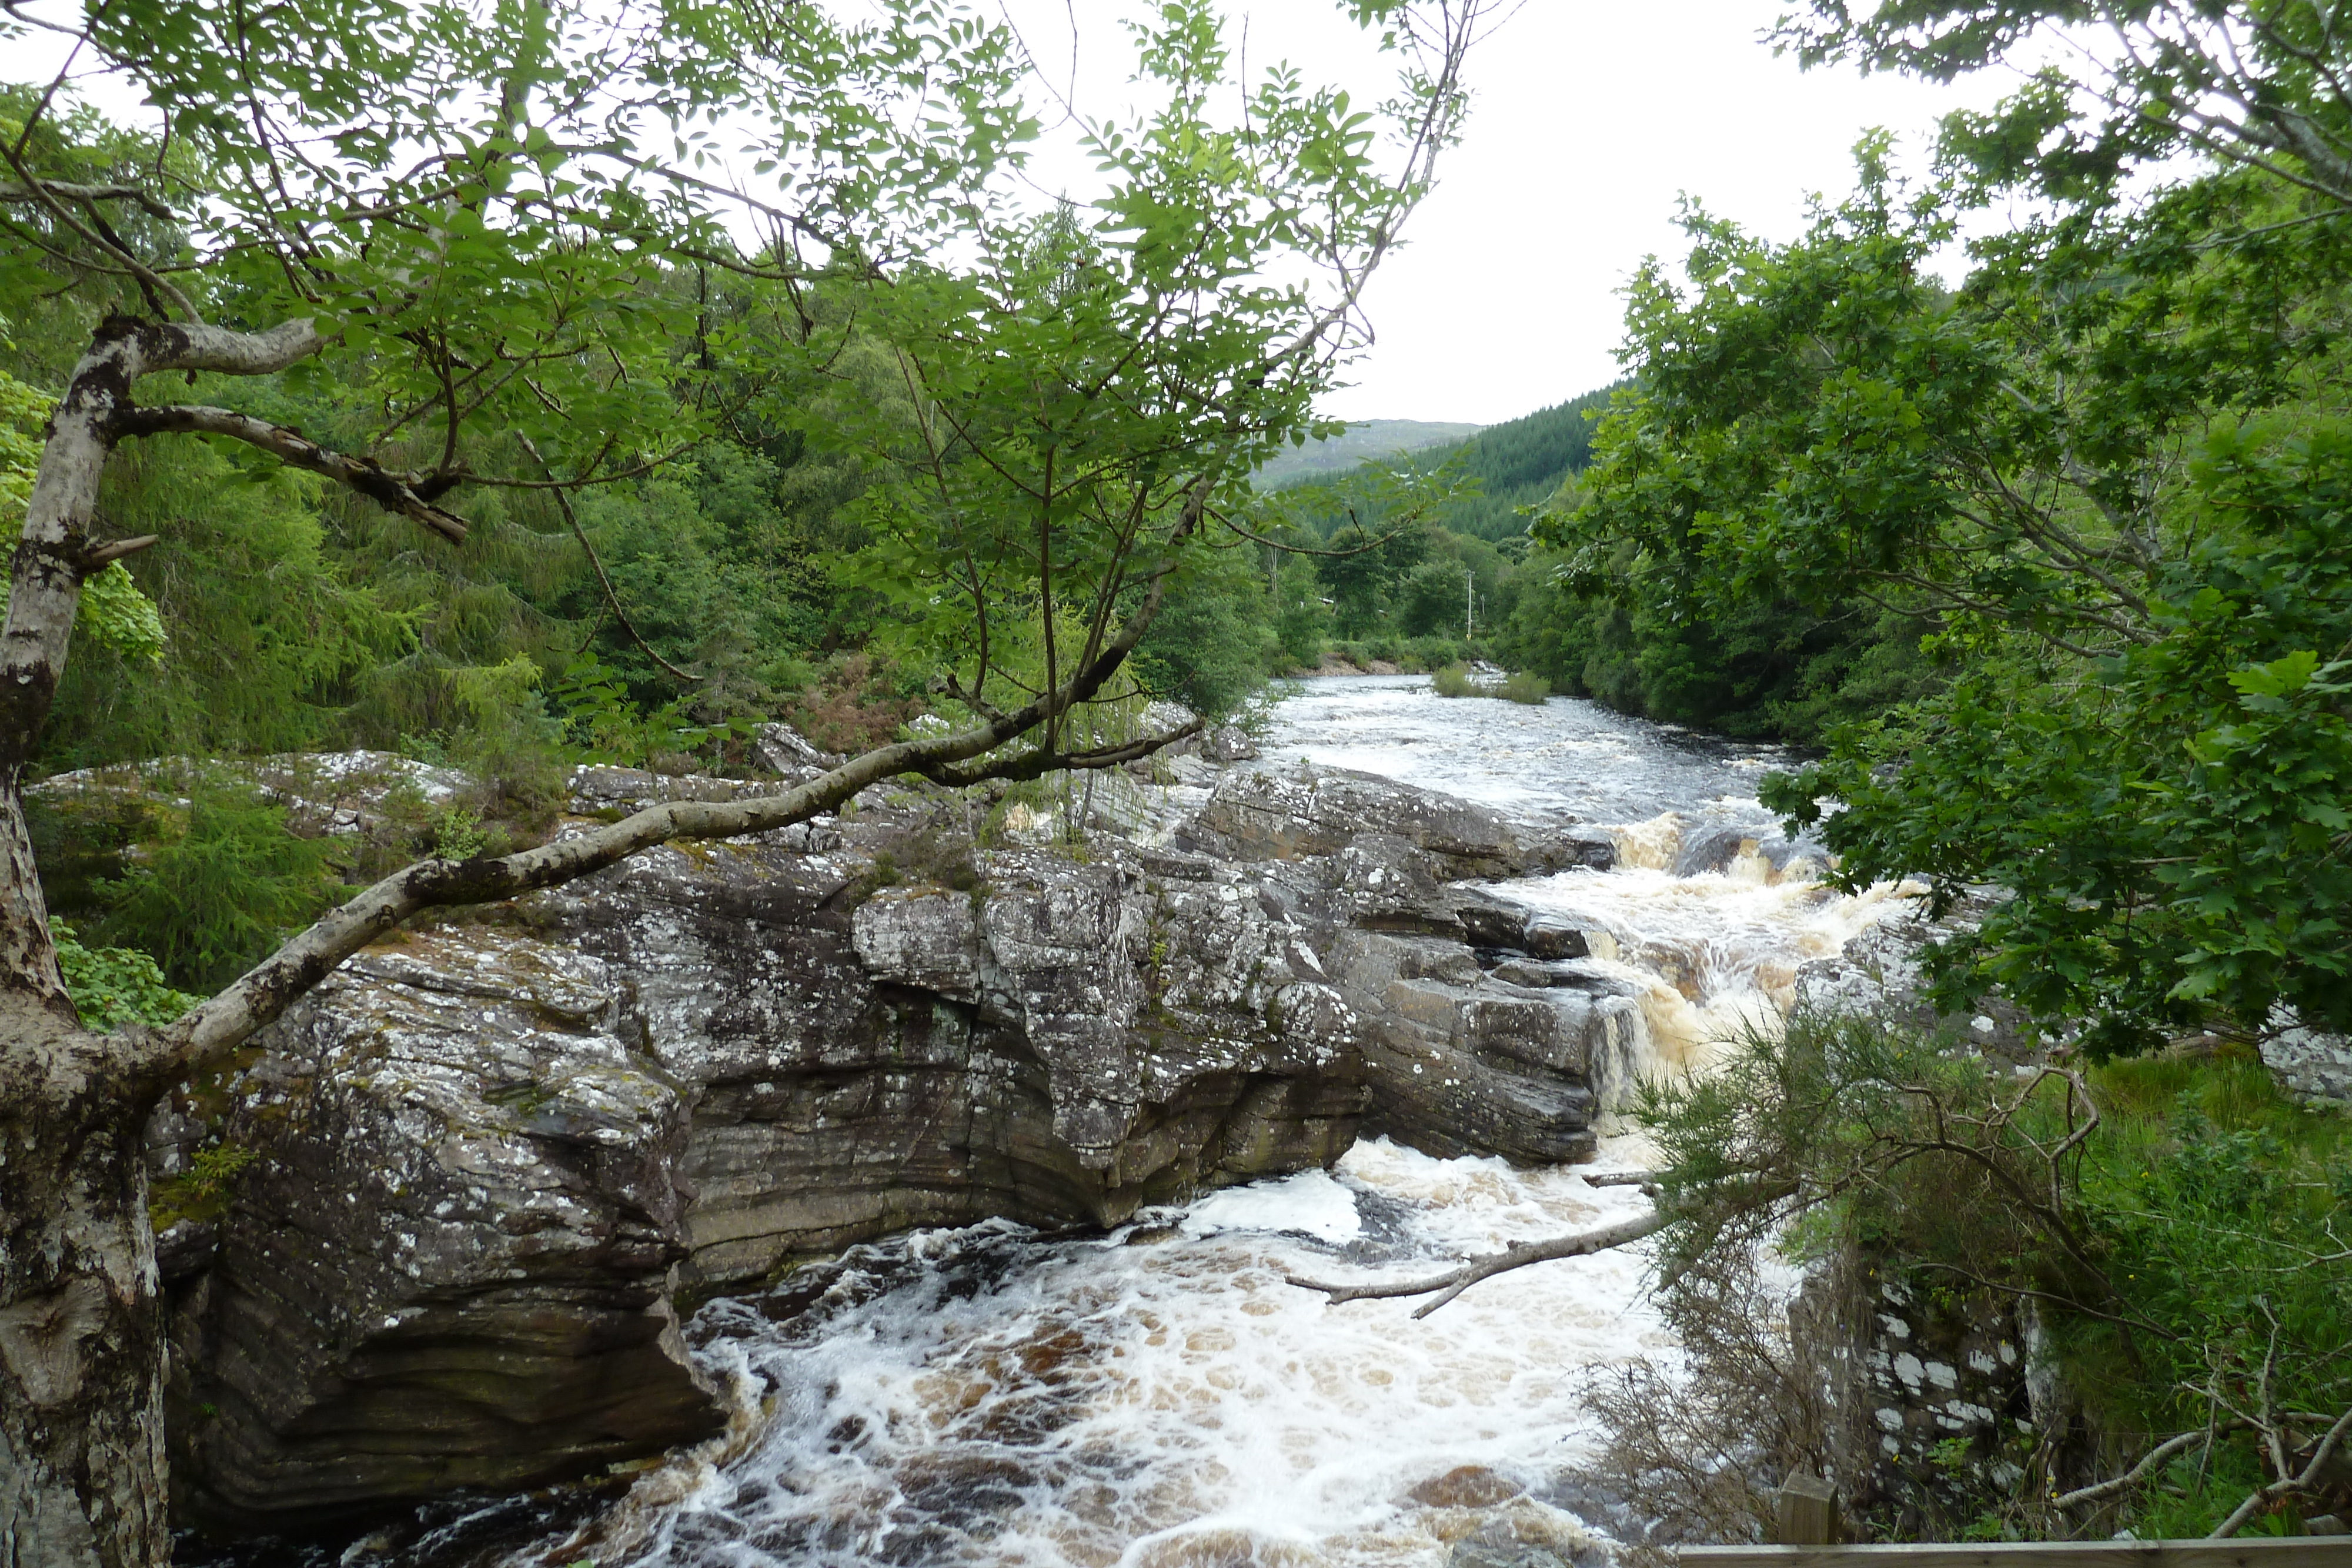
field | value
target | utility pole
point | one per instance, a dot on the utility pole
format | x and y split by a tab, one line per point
1469	602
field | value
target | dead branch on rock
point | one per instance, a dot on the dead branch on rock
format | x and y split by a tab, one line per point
1517	1255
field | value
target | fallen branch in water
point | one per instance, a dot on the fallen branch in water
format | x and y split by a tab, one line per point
1621	1179
1519	1255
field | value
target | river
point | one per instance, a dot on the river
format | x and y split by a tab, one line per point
1159	1397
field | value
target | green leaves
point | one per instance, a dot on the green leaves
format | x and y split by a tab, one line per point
490	209
1074	419
2104	474
223	886
111	987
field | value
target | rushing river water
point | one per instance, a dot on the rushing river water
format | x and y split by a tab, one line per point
1161	1397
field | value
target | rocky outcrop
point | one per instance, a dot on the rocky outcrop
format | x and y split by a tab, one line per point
2311	1064
486	1160
1516	1061
1931	1409
1882	972
450	1265
1321	811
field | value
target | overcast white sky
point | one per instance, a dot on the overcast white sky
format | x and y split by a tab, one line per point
1590	119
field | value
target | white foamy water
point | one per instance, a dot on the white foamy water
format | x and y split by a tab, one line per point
1163	1397
1713	955
1565	758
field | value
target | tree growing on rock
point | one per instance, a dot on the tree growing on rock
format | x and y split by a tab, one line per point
541	244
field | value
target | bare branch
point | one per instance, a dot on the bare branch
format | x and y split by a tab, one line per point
1519	1255
81	193
408	494
193	346
1234	528
107	554
157	289
2286	1485
2138	1473
1037	764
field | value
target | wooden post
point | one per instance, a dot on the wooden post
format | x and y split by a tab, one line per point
1806	1513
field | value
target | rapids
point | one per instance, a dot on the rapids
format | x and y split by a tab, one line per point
1161	1397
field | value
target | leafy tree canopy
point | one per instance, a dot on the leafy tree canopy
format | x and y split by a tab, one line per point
2103	473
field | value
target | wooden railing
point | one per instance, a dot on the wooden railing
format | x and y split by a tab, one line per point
2263	1551
1806	1511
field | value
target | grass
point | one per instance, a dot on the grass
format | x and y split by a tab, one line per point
1457	681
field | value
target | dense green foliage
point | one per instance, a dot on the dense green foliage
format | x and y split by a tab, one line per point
2056	555
2176	1222
1518	465
1413	541
220	886
116	986
897	455
2106	473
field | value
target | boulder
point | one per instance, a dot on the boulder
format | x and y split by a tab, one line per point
2311	1064
1462	1061
1922	1394
782	749
1882	971
1254	816
1721	849
449	1265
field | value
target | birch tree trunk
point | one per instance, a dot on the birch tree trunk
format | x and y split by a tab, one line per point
81	1335
81	1351
81	1330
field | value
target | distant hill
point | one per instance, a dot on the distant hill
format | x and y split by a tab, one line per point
1363	442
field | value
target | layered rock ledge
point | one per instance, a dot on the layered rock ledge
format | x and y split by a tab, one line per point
490	1158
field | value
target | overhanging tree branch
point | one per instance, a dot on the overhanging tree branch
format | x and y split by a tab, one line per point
408	494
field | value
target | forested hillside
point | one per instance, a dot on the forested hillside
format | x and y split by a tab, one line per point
1430	560
1519	463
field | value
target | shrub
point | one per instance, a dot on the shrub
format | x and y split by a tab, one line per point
2175	1225
1528	688
114	985
1454	681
